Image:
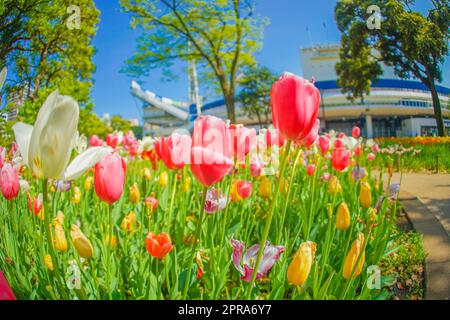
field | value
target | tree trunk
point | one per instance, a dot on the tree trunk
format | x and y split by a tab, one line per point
437	107
230	100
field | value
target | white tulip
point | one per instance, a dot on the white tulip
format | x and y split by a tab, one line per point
46	148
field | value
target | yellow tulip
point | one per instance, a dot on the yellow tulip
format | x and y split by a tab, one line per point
59	238
300	267
88	183
48	262
81	242
284	185
76	197
343	217
134	193
163	179
113	242
235	197
335	186
128	222
365	196
146	174
352	258
187	184
265	188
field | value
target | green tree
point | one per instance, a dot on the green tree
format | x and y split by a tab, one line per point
56	53
221	36
120	124
414	44
255	93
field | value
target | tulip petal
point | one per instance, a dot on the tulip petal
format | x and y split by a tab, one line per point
22	134
84	161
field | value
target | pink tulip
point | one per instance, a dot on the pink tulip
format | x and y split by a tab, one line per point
95	141
371	156
270	255
309	140
340	158
2	156
356	132
256	165
215	201
375	148
109	178
212	150
9	181
295	106
324	144
310	169
341	135
5	290
112	140
175	150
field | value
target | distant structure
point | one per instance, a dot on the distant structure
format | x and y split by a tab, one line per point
395	107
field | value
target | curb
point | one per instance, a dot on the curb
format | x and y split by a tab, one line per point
436	243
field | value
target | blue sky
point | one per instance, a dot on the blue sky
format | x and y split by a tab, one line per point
289	19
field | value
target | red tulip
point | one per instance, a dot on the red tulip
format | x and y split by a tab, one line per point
295	106
9	181
35	204
309	140
112	140
158	245
151	202
356	132
158	148
5	291
243	140
324	144
256	165
341	135
357	151
244	189
310	169
175	150
273	137
212	150
109	178
338	143
340	158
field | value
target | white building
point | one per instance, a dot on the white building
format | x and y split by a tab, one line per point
395	107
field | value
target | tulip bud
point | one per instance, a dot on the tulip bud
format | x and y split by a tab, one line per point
135	195
187	183
59	238
352	258
300	267
76	198
343	217
265	188
234	192
284	185
109	178
88	183
9	181
163	179
128	222
365	196
81	242
48	262
151	202
335	185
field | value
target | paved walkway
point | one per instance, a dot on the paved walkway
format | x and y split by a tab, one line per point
426	200
433	190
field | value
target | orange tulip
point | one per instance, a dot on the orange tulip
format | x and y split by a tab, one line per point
158	245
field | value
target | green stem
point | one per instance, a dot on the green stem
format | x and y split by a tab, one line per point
174	188
194	245
269	220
